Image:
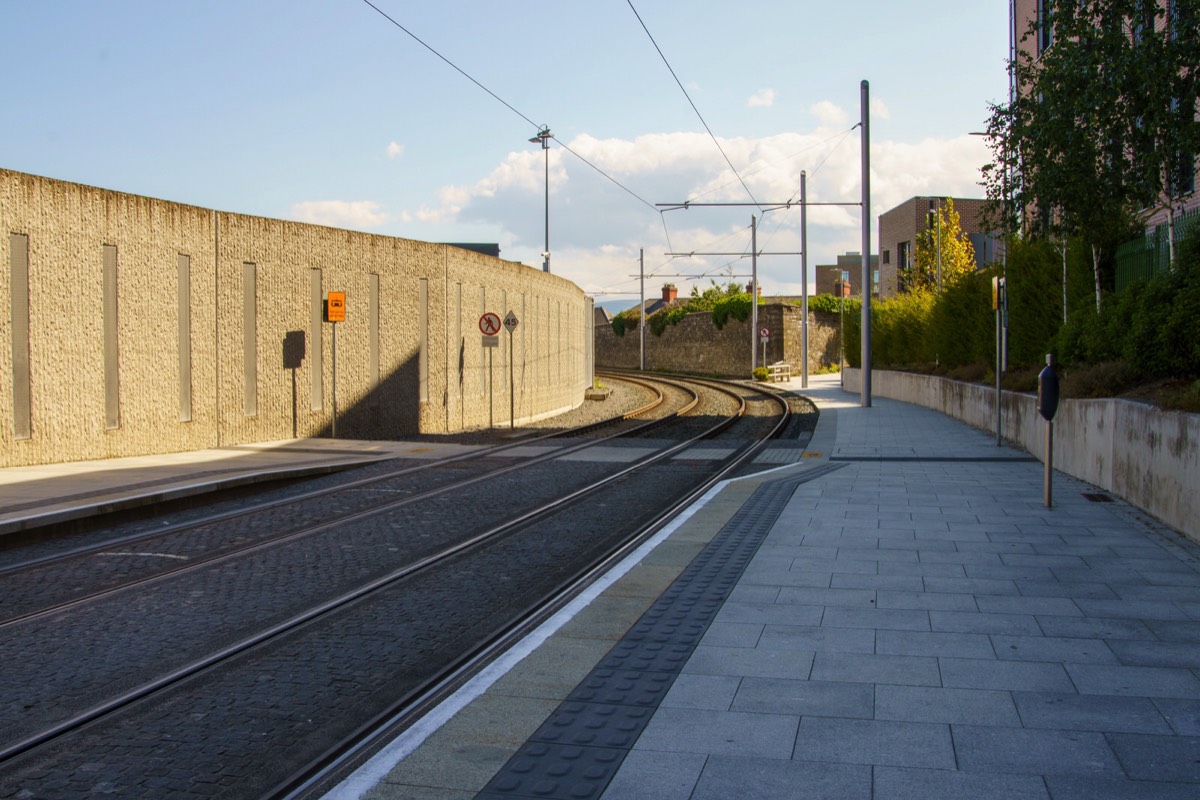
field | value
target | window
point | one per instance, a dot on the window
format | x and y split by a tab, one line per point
1045	26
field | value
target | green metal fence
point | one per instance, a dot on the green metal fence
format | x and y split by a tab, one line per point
1149	255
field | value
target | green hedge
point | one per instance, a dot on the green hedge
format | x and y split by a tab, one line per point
1152	328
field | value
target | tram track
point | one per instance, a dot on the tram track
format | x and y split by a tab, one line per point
418	565
34	589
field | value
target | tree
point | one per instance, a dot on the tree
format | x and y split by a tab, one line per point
957	252
1105	117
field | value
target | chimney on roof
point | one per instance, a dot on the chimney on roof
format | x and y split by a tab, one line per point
669	293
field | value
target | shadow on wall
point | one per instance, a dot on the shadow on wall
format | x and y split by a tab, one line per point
390	410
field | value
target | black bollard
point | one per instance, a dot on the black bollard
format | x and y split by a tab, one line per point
1048	407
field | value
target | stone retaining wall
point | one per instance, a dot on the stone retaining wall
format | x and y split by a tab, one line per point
695	345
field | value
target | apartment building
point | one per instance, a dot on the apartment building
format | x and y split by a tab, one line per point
899	227
1036	17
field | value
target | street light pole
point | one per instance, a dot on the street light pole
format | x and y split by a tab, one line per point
935	218
544	136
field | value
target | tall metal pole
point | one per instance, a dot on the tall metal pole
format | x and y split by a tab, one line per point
864	100
999	302
642	310
804	276
546	153
939	245
512	387
753	291
544	136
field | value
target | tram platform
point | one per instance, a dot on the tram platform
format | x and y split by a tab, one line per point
897	615
49	494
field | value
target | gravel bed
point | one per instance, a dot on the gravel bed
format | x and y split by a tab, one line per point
622	398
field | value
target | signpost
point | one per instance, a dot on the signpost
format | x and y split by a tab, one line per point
1000	306
764	333
511	322
489	325
335	312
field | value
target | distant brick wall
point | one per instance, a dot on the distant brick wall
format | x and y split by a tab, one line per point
696	346
394	378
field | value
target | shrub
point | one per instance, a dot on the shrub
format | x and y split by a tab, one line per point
761	373
736	306
823	302
671	315
1098	380
1033	274
626	321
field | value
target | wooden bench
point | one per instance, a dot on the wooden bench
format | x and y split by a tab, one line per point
779	371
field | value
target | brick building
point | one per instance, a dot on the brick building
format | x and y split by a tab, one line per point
829	276
1037	15
899	227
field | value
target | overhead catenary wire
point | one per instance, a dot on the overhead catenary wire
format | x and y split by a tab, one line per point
689	99
513	109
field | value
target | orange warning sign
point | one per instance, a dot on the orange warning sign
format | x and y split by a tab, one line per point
335	307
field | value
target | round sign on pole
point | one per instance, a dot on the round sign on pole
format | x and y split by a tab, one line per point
764	332
489	324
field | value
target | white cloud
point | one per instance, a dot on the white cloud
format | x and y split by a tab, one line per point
395	149
596	228
830	115
764	98
356	214
879	109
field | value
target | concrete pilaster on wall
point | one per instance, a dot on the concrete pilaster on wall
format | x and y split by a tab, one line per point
695	345
261	330
1147	456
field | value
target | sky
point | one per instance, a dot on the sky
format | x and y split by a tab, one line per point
326	111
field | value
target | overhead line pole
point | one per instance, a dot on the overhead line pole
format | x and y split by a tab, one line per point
864	100
642	311
803	253
804	276
753	292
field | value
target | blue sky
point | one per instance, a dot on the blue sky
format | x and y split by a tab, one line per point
324	111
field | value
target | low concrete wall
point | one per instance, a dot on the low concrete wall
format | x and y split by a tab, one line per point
1148	457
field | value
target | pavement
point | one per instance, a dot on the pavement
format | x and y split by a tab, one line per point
896	614
48	494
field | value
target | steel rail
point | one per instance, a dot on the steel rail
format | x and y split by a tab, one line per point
226	516
407	710
312	615
343	519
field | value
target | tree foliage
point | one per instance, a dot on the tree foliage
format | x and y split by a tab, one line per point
957	255
1105	119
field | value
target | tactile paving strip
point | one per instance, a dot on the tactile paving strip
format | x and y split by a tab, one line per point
577	751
